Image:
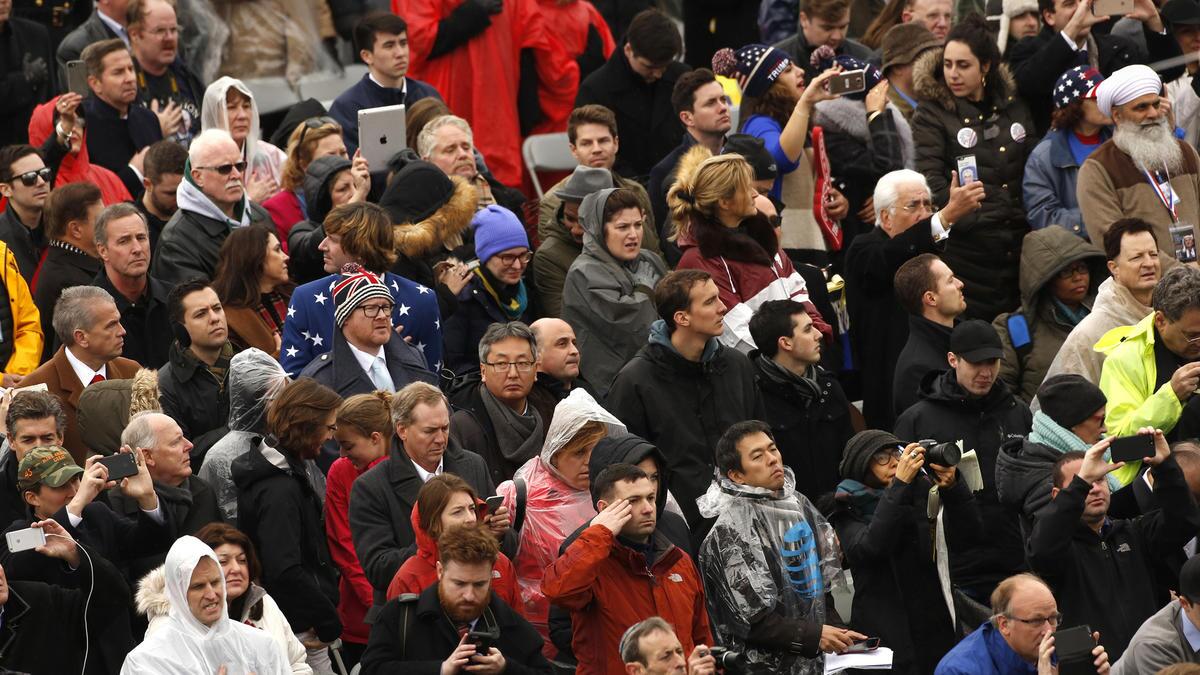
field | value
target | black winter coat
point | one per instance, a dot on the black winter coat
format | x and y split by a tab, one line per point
649	126
191	243
282	514
463	331
709	25
1037	63
897	595
1024	478
189	507
811	424
472	428
1106	580
21	39
60	269
683	407
43	628
26	244
924	352
113	140
146	322
340	370
878	324
381	503
431	638
984	248
191	395
946	413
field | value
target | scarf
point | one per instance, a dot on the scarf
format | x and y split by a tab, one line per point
272	307
511	300
177	501
805	385
221	366
519	436
1051	434
863	498
1069	316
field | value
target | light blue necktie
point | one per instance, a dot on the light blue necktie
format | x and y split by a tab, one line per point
380	376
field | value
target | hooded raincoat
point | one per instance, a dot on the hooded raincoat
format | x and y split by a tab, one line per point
609	302
1113	307
553	508
185	646
767	564
1044	254
262	158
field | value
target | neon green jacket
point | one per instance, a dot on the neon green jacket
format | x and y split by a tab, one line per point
1128	383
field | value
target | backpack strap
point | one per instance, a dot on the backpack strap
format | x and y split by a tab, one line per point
522	493
1018	334
408	603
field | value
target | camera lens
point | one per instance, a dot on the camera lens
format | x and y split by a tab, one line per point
942	454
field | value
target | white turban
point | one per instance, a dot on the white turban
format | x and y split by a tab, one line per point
1125	85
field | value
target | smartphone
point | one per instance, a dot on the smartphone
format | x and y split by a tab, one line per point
968	170
77	78
120	465
868	645
1112	7
1073	647
849	82
1132	448
482	639
494	503
23	540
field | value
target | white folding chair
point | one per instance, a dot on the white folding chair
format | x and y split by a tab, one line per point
547	152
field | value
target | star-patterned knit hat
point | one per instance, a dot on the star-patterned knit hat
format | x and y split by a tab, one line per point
354	288
761	65
1078	82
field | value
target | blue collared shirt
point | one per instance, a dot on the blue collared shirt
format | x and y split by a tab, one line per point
1190	632
114	27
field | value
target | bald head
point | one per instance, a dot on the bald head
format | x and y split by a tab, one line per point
210	152
558	349
1023	605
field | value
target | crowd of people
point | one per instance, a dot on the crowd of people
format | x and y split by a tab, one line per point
860	326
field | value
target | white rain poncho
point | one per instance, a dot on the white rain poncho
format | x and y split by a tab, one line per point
553	509
255	379
184	646
262	158
767	552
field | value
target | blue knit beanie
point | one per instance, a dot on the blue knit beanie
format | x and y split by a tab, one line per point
496	230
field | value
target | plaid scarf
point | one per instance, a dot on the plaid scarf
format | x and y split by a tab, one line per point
272	309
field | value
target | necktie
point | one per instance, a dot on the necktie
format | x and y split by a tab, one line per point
380	376
97	378
1082	57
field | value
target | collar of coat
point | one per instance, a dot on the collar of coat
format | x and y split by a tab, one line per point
929	84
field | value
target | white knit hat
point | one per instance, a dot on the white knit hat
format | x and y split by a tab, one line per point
1011	8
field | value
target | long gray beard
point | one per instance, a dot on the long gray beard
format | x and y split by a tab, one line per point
1151	146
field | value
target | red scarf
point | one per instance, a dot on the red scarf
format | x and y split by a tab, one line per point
76	168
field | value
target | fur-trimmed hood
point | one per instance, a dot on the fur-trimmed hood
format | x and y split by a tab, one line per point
754	241
151	598
929	83
847	116
450	223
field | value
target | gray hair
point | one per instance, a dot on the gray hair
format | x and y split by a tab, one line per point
887	190
407	399
206	142
111	213
1177	292
140	432
629	645
426	140
502	331
76	310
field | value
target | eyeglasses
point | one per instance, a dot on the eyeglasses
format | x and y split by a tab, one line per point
1077	270
226	169
316	123
373	311
510	259
917	204
1053	620
30	178
1190	340
502	367
885	456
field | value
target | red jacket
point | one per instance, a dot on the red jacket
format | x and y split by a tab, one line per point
285	210
420	571
354	591
608	588
479	79
76	168
572	22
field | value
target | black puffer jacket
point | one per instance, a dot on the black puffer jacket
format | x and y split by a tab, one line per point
193	397
1024	477
306	262
281	513
947	413
984	249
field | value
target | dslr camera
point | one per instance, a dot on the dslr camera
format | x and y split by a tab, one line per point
728	660
942	454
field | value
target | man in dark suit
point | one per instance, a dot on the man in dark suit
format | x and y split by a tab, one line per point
382	499
905	229
70	259
27	66
118	128
106	23
88	326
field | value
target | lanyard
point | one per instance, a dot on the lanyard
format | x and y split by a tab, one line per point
1165	193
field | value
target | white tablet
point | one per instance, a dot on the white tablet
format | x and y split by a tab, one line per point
381	134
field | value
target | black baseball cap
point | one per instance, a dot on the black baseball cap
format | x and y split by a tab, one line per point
1189	579
1181	12
976	341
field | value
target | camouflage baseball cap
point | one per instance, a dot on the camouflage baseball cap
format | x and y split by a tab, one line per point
50	465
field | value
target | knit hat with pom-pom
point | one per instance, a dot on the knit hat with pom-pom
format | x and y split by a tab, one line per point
759	64
824	58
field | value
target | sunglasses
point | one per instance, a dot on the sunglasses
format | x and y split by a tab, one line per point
315	123
30	178
225	169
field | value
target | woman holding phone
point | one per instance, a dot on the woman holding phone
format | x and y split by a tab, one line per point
970	123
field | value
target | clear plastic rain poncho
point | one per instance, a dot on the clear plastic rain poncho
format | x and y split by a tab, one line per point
186	646
262	158
255	379
768	551
553	509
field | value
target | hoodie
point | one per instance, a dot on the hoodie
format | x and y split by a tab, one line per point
191	198
301	240
610	303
